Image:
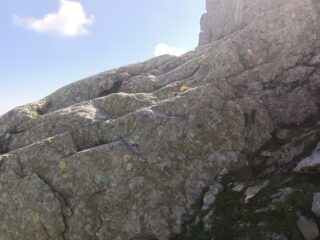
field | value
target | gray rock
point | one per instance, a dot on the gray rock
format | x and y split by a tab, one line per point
33	210
316	204
315	60
207	221
265	154
126	153
283	134
308	228
253	191
296	145
282	195
223	18
275	236
210	196
310	164
263	210
238	187
262	224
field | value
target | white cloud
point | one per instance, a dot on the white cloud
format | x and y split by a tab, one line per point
162	49
70	20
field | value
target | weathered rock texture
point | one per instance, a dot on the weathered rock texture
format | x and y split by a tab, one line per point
125	154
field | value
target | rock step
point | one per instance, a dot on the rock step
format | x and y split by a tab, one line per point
127	80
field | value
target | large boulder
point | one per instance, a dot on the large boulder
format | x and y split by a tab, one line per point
126	153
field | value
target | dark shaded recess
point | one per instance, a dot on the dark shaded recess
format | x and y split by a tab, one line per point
143	236
249	120
3	146
197	232
40	111
310	121
114	89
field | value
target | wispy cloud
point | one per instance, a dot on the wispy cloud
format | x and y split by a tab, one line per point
162	49
70	20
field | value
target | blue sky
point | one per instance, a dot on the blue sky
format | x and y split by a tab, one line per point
46	44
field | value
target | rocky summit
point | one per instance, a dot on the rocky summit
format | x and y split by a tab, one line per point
220	143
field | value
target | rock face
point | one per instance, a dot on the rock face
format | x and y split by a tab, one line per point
127	153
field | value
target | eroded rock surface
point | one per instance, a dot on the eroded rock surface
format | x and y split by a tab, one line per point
127	153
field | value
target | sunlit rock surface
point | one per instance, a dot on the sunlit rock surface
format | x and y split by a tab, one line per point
127	153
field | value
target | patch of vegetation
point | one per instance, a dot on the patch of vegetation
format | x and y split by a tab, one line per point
34	114
191	229
234	219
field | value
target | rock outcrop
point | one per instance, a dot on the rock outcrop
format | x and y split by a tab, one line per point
139	152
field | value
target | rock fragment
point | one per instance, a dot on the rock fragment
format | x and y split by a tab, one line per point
310	164
253	191
316	204
308	228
